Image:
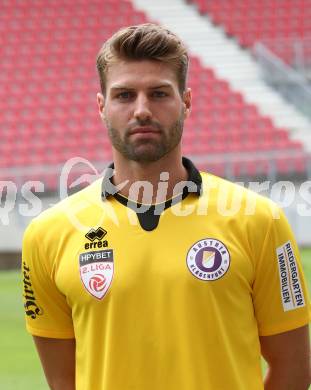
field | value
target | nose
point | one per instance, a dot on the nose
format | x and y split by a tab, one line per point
142	111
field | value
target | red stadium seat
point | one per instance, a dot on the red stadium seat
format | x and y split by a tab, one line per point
251	21
55	86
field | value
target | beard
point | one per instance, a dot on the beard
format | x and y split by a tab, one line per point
147	150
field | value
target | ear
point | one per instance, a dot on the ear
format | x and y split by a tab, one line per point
187	99
101	105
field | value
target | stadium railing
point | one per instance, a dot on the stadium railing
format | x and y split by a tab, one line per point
268	165
290	82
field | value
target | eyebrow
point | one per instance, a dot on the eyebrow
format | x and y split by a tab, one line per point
161	86
118	87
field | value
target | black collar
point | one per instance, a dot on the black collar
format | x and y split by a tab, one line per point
149	215
194	177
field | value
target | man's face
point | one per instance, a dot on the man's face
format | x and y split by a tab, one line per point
143	109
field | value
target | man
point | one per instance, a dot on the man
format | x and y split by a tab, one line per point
170	290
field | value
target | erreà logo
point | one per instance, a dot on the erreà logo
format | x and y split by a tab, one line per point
95	236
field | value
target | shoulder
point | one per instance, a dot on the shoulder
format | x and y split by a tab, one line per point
246	212
61	216
235	197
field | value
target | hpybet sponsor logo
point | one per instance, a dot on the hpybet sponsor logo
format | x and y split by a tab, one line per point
96	271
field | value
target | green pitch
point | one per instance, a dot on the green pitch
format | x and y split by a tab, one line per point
19	365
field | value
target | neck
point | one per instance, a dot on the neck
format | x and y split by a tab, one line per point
159	178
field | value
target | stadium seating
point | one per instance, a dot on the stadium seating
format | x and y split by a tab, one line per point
261	20
48	83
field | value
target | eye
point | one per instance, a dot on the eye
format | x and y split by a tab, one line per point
159	94
126	95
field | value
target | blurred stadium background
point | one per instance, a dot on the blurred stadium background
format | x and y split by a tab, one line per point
250	74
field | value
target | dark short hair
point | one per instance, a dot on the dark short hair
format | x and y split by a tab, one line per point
144	42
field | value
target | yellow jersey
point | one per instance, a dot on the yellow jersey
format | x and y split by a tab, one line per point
174	299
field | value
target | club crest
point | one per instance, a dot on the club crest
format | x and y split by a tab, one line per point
96	271
208	259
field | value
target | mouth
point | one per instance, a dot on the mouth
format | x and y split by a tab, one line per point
144	130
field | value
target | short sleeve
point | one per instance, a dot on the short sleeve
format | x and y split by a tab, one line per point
280	293
47	312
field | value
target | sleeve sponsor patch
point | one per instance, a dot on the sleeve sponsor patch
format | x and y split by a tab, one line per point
291	290
32	309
